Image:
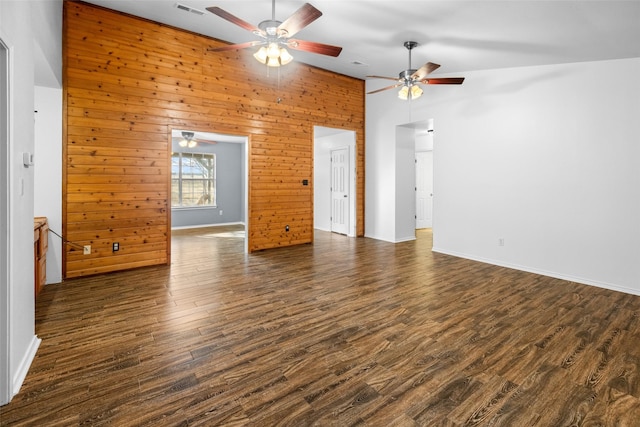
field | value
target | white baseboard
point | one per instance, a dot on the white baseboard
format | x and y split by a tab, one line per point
369	236
25	364
400	240
555	275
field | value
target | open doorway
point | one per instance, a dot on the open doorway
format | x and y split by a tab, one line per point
209	181
424	174
414	178
334	180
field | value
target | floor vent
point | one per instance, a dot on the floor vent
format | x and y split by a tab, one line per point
189	9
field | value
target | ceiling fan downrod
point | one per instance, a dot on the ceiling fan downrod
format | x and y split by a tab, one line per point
410	45
405	75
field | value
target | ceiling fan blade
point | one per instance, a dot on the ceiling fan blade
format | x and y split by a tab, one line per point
383	77
300	19
235	46
443	81
234	19
313	47
427	68
384	88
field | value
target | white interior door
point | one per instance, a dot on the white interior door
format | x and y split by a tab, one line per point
424	189
340	190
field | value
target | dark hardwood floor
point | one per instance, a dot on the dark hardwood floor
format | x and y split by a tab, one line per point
339	333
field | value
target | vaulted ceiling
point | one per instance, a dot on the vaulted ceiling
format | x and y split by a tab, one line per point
459	35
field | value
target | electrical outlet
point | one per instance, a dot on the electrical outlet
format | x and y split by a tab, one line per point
87	250
220	211
501	242
116	246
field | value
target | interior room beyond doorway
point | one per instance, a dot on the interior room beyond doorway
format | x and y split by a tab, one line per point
334	191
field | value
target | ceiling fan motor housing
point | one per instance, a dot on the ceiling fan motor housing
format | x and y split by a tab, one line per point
270	27
405	76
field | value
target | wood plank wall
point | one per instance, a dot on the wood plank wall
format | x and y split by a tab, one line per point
128	82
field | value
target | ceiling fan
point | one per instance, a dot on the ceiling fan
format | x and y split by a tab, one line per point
189	140
410	78
275	36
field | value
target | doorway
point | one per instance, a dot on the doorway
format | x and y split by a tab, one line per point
412	174
424	174
329	214
219	163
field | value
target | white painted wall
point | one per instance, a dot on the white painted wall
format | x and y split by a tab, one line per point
25	33
380	162
424	138
405	181
14	18
48	172
322	183
546	158
48	47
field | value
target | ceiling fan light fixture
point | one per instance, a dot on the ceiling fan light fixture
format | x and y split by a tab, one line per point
273	55
261	55
416	92
404	93
187	140
273	51
285	56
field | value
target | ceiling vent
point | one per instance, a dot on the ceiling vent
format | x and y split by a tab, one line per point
189	9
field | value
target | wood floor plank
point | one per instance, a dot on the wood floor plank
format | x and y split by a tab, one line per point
336	333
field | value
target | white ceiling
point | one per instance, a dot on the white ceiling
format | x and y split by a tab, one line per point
459	35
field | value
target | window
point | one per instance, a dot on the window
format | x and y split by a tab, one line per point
193	179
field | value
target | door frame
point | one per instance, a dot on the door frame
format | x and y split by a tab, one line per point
324	140
6	76
244	140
